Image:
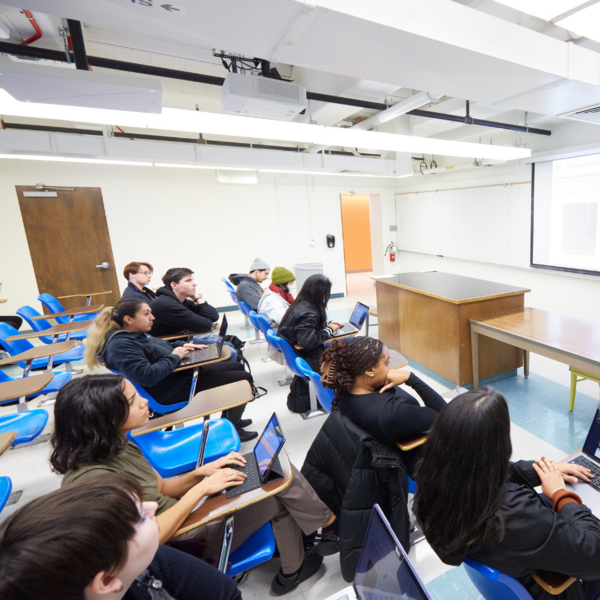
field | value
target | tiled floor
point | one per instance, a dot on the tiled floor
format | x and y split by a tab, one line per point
539	414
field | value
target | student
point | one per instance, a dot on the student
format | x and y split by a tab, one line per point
367	392
94	414
138	274
497	518
305	321
119	339
98	539
277	299
248	288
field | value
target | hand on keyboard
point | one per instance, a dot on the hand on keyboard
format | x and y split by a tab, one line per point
232	459
222	479
571	471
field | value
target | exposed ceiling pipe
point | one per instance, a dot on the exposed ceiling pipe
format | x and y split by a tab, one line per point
461	166
76	36
38	31
387	115
118	65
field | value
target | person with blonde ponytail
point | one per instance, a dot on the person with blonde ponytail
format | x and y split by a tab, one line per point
367	392
119	340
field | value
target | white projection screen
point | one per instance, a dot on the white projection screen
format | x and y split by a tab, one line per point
565	226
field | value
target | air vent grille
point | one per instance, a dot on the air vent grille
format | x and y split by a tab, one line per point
278	90
588	115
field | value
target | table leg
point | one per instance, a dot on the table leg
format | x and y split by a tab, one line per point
194	381
226	547
51	358
205	431
475	357
526	363
573	391
315	410
22	406
89	300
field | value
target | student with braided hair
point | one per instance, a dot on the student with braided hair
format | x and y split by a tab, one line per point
366	392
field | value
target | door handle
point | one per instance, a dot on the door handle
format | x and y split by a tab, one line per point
104	265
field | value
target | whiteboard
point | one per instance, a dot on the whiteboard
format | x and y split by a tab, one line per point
487	224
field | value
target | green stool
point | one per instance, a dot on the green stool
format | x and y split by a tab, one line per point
578	375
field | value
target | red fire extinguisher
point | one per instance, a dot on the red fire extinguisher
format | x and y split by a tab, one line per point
392	250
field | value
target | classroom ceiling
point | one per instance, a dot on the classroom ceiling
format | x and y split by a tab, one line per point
332	46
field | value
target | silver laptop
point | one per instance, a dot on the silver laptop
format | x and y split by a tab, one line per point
359	314
211	352
384	570
589	458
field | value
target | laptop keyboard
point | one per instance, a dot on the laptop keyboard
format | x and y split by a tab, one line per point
345	329
593	467
204	353
251	482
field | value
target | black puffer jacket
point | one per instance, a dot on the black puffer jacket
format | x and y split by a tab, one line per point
351	471
302	327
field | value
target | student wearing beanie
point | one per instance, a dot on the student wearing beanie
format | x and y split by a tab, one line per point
249	289
277	298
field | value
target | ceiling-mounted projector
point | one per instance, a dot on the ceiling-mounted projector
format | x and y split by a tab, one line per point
262	97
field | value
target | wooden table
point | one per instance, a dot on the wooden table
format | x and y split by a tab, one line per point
219	505
568	340
202	404
186	334
6	439
2	301
55	331
21	388
88	296
225	354
332	339
425	316
397	361
79	310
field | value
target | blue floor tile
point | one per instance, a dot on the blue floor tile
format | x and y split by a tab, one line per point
453	585
541	407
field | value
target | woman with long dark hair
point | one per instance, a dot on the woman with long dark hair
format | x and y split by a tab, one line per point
367	392
94	414
119	339
305	321
472	501
94	540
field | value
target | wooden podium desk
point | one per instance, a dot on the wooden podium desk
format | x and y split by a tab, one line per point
425	316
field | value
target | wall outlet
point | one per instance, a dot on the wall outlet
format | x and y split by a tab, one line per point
393	228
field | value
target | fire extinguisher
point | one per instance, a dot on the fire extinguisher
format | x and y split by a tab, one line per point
392	250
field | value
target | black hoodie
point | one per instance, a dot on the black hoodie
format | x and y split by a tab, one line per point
172	316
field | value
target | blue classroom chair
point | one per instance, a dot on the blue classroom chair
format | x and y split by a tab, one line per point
27	312
174	452
14	348
256	550
5	490
324	395
231	292
494	585
54	306
57	382
28	425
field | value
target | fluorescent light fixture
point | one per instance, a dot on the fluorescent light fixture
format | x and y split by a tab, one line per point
177	166
173	119
584	22
93	161
543	9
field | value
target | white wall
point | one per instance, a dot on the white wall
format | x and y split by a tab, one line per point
180	217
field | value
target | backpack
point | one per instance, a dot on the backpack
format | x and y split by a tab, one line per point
298	400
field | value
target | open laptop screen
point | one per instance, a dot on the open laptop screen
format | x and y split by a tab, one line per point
592	443
359	314
384	571
268	446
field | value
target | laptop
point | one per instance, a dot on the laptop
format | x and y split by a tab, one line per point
589	458
262	465
384	570
359	314
211	352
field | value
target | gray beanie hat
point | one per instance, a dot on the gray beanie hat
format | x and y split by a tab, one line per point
258	265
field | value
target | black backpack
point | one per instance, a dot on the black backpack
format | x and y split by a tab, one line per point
298	400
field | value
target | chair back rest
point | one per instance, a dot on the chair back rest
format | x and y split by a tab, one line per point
288	354
244	308
27	312
324	395
253	316
152	403
493	584
228	285
51	303
16	347
263	324
272	339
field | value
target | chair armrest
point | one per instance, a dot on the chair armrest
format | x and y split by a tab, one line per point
553	583
411	441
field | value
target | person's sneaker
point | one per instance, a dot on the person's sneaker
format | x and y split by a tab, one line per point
328	544
282	584
246	436
244	423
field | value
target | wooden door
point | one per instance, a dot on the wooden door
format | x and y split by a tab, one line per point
68	237
356	229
